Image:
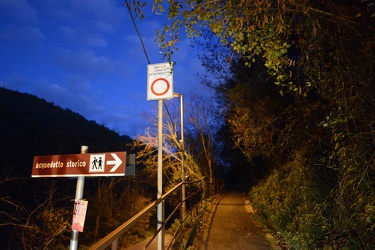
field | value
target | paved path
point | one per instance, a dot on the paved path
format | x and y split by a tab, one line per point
152	246
230	226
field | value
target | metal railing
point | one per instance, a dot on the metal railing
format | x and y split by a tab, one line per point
196	193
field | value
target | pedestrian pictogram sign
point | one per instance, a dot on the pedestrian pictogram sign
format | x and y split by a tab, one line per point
159	81
96	164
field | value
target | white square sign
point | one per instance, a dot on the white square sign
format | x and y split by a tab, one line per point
97	163
160	81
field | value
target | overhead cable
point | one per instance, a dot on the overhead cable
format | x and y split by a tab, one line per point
136	29
144	48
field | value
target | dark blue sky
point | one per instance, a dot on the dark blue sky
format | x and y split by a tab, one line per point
85	55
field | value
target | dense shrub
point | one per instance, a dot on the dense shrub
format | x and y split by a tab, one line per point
291	202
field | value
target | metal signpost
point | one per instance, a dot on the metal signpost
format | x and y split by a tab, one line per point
81	165
183	193
160	87
79	195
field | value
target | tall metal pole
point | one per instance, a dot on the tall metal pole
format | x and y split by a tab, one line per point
79	195
183	194
160	207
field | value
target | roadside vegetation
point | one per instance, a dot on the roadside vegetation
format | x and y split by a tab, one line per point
292	124
295	85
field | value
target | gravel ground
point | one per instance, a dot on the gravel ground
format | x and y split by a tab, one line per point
229	225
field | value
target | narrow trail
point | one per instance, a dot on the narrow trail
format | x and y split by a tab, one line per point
230	226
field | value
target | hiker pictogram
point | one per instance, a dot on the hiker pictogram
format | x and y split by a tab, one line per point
97	162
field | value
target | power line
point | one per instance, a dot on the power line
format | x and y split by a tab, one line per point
144	49
136	29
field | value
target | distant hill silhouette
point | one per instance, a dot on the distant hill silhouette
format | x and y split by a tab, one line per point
31	126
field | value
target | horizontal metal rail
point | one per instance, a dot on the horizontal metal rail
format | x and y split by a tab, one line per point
118	232
182	220
190	213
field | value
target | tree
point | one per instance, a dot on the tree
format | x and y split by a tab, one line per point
320	56
42	225
108	199
200	131
199	150
146	145
287	36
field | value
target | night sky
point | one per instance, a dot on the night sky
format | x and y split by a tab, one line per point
85	55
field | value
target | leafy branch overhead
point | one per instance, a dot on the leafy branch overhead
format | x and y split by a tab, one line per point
286	35
313	148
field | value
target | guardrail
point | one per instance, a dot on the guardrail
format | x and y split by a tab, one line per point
195	195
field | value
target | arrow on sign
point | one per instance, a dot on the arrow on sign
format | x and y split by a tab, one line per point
117	162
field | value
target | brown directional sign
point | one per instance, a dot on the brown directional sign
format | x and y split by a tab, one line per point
96	164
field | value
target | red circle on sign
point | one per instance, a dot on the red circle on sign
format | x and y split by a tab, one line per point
162	93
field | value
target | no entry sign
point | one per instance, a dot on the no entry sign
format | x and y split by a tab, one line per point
96	164
159	81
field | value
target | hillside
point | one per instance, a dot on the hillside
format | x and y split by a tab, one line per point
30	126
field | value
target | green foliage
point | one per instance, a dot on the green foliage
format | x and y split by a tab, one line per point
293	204
49	229
288	37
321	194
253	116
141	230
318	139
173	229
251	28
352	157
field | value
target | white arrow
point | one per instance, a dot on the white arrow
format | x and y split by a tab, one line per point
117	162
